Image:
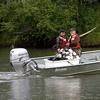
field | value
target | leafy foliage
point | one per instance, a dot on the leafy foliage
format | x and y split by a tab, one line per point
38	21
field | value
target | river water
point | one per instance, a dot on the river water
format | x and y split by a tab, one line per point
37	87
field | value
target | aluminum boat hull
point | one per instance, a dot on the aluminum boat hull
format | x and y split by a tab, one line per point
90	62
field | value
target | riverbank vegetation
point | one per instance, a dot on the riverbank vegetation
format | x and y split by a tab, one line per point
36	23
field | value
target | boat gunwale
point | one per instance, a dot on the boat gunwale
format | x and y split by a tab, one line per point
36	58
90	51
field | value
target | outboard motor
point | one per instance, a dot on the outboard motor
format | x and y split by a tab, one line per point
19	59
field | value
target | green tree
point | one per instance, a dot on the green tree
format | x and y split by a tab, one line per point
38	21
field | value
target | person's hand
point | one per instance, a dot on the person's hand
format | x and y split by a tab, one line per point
67	44
62	38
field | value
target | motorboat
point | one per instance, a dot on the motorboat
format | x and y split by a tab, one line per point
53	65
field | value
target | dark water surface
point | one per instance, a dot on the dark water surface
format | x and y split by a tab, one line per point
51	88
80	87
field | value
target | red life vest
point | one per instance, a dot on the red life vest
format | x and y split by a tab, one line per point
62	42
74	41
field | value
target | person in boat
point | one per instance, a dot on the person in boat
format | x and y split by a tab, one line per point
74	41
61	40
61	43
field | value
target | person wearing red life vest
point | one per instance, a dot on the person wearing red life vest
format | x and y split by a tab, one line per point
74	41
61	44
61	41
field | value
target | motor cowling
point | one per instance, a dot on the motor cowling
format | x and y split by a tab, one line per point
18	57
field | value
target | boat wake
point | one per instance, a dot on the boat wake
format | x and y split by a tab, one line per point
6	76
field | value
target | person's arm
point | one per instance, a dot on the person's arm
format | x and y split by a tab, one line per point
75	39
69	41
